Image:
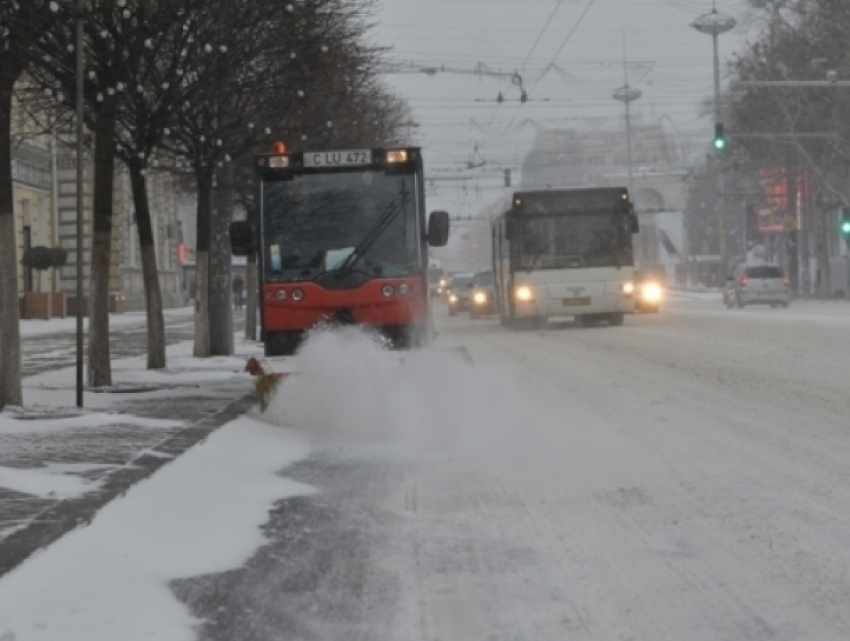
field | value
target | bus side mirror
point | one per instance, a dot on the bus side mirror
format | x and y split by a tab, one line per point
634	226
510	230
438	228
241	238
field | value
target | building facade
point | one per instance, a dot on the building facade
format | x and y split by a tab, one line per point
35	219
44	174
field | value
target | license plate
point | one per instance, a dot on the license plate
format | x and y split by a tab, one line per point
345	158
575	302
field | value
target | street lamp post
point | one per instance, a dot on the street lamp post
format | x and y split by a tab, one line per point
79	12
627	95
714	24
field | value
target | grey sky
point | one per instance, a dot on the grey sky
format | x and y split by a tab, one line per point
669	62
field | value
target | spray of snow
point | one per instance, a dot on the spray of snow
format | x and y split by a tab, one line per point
352	393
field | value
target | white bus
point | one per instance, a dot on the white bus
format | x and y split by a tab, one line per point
565	252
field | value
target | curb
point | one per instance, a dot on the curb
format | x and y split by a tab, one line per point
58	520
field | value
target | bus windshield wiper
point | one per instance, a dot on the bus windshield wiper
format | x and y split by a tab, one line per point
548	244
372	234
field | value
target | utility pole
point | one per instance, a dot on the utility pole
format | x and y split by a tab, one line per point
626	95
714	24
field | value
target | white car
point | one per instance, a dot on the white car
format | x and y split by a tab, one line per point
758	284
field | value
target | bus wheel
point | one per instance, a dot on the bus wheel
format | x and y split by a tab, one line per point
282	343
615	320
589	320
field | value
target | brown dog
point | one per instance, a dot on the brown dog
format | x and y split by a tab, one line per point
264	382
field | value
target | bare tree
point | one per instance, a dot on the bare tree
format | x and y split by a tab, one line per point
800	40
21	24
107	24
263	72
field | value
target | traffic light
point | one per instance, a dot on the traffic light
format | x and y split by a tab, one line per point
844	223
720	142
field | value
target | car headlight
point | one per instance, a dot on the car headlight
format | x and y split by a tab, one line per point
480	298
651	292
524	293
628	288
452	298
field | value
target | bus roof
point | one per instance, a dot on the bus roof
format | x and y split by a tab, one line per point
588	200
578	191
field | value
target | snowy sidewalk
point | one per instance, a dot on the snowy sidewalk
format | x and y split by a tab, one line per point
60	464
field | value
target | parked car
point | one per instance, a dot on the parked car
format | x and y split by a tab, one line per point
650	288
459	289
757	284
483	295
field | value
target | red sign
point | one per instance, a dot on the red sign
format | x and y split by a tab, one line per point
773	214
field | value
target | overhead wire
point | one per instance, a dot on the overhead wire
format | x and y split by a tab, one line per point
563	44
540	35
529	54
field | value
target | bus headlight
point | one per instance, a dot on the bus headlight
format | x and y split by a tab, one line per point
397	156
480	298
297	294
524	293
280	294
628	288
404	289
452	298
387	290
651	292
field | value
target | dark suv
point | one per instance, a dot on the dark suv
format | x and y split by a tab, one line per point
482	298
757	284
459	288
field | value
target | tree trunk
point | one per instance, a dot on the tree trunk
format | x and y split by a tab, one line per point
220	282
100	368
252	283
251	298
202	258
10	329
150	274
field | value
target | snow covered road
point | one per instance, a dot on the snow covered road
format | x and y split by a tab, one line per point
681	477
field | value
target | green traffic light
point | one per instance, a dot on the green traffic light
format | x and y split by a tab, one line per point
719	143
845	227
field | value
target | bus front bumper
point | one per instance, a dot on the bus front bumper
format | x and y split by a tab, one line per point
572	306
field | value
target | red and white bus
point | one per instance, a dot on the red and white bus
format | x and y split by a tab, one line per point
342	237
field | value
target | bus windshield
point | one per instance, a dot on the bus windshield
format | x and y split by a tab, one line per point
575	240
363	220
